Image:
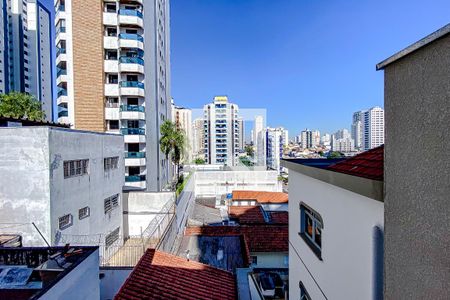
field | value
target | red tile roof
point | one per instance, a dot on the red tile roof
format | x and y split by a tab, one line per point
369	164
260	238
160	275
279	217
247	214
260	196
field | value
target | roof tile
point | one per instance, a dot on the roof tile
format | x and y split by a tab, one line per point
261	196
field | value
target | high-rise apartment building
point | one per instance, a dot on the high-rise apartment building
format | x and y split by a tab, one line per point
241	134
276	139
368	128
198	137
114	76
26	51
309	138
183	120
259	141
221	129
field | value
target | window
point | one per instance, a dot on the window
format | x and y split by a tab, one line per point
111	238
65	221
254	260
303	293
111	203
311	226
73	168
110	163
84	213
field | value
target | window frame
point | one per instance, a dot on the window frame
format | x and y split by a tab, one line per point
304	295
111	203
75	168
69	221
112	237
306	212
84	216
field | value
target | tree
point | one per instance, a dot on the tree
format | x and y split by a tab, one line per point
172	144
249	150
199	161
335	154
21	106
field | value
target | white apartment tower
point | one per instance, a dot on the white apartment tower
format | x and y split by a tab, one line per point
276	139
182	117
259	141
114	76
368	128
26	51
309	138
222	134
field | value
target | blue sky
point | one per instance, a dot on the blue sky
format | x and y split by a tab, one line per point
310	63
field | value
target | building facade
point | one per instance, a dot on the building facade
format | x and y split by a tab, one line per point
368	128
182	117
26	51
222	134
198	139
309	139
277	139
117	78
66	183
259	141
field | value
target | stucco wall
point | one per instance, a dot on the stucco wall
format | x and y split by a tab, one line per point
25	183
81	283
112	280
417	172
271	260
348	266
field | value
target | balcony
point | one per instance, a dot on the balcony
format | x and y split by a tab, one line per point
111	90
131	17
132	131
132	88
135	181
111	66
63	113
129	40
61	76
110	42
110	19
134	178
134	159
132	112
60	55
132	65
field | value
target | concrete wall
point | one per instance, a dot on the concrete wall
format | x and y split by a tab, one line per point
25	183
271	260
347	270
81	283
417	172
112	280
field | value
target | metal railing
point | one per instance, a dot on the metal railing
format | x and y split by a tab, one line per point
131	60
132	84
132	131
134	154
61	72
63	113
138	108
131	13
134	178
131	36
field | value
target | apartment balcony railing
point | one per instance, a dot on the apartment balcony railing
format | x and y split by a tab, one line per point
132	60
132	131
134	154
132	84
138	108
131	36
60	29
62	92
63	113
134	178
61	72
131	13
60	51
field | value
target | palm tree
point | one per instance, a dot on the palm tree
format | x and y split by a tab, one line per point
172	143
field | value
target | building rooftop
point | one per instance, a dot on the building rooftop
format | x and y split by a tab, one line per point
369	164
247	215
14	122
414	47
28	273
160	275
261	196
279	217
259	238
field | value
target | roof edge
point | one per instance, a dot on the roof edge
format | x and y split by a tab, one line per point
441	32
370	188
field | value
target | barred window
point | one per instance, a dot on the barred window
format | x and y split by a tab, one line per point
84	212
111	238
65	221
111	203
73	168
111	163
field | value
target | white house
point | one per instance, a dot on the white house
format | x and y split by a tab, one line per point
61	185
336	217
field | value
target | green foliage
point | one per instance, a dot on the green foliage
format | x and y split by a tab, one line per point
172	142
250	151
199	161
181	184
335	154
21	106
246	161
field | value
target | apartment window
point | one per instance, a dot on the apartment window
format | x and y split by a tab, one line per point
311	226
110	7
111	54
65	221
303	292
113	79
84	213
110	163
111	203
113	125
73	168
111	238
111	31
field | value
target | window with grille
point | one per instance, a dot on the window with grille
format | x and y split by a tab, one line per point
111	163
73	168
65	221
84	212
111	203
111	238
311	226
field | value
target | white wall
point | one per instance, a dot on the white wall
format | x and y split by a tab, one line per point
347	269
271	260
81	283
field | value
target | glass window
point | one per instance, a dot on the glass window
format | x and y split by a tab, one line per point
311	226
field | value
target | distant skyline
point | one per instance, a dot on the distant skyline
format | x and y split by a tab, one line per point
311	64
